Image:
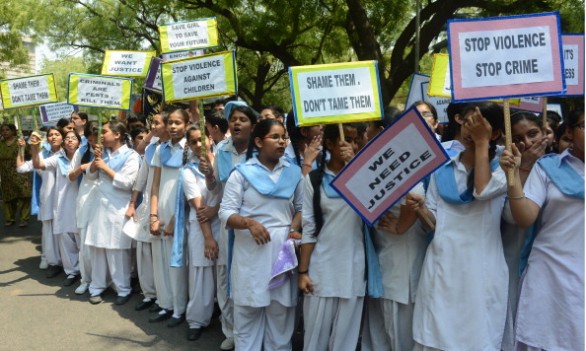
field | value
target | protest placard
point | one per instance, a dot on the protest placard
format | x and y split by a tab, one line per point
336	93
204	76
573	51
28	91
530	103
172	56
418	89
440	83
153	80
27	122
389	166
99	91
56	111
182	36
126	63
504	57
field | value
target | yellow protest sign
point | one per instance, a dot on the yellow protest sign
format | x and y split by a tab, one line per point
440	83
28	91
336	93
127	63
200	77
99	91
182	36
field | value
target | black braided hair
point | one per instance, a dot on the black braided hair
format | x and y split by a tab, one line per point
294	135
331	132
453	127
91	129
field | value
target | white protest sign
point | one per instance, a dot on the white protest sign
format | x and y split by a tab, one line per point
440	103
389	166
28	122
172	56
126	63
99	91
415	93
505	57
56	111
28	91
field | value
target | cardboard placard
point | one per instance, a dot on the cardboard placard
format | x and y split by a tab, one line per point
28	91
573	51
56	111
505	57
127	63
418	91
389	166
99	91
336	93
204	76
172	56
182	36
440	84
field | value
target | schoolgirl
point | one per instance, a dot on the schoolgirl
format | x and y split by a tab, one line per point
550	313
262	203
305	145
81	161
43	196
170	282
63	204
528	136
140	215
332	261
461	299
202	241
115	168
230	152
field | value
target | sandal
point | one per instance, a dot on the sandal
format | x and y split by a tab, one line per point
9	224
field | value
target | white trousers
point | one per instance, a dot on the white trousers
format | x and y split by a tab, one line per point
170	282
268	328
226	304
69	253
331	323
116	262
144	263
49	244
85	257
202	289
388	325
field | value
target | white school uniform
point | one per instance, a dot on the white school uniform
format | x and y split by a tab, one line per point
176	277
64	224
461	299
49	244
86	202
400	258
262	316
550	313
202	279
333	312
109	246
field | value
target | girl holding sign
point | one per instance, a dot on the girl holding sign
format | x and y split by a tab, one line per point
230	152
332	262
171	282
262	202
115	168
550	314
461	299
63	204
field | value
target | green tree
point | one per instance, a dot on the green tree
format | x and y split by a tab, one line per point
60	69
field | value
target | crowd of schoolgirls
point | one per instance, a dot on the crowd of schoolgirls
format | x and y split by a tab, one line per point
248	220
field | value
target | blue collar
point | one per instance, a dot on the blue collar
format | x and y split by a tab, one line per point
562	175
258	177
172	156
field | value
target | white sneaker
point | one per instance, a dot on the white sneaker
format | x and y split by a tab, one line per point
227	344
82	288
43	264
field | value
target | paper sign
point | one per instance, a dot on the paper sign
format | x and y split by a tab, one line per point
27	122
153	80
127	63
530	103
389	166
415	93
205	76
1	103
99	91
504	57
573	53
336	93
54	112
172	56
440	103
28	91
184	36
440	84
555	108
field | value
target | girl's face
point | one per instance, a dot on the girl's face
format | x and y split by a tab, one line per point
138	138
565	141
68	128
194	139
578	135
311	132
272	145
176	126
240	127
267	113
70	143
7	132
157	126
526	132
427	115
549	134
54	138
351	136
109	137
92	139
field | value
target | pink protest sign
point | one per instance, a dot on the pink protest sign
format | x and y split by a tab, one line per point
504	57
573	51
389	166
